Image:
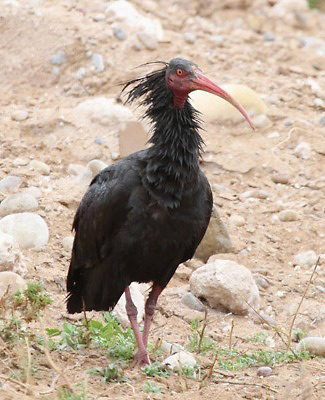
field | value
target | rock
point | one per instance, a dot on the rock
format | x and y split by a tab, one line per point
58	58
288	215
149	41
183	272
30	230
315	345
33	191
171	348
192	302
98	62
10	282
132	137
214	108
19	115
261	282
18	202
269	37
280	178
10	255
119	33
10	182
138	299
127	16
80	72
96	166
189	37
321	120
99	17
273	134
303	150
217	39
103	111
261	121
216	239
75	169
40	167
264	372
226	283
67	243
237	220
179	360
287	122
256	194
306	259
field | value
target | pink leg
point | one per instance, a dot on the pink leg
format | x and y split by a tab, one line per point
150	309
141	358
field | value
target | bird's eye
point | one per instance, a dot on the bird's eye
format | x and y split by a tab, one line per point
179	72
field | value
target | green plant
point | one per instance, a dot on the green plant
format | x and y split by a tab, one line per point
108	374
197	341
258	337
155	369
66	394
150	387
190	372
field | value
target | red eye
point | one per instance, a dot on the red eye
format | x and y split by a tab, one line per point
179	72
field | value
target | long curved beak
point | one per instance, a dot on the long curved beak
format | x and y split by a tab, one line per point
201	82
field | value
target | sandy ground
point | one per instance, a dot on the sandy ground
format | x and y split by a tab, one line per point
236	160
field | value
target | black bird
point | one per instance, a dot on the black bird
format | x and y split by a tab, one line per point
144	215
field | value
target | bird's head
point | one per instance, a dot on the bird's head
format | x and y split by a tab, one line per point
183	77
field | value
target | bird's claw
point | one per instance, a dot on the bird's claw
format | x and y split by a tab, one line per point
141	359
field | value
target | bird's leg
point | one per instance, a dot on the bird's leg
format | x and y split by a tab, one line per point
141	358
149	310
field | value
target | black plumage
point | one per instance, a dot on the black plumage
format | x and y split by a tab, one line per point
144	215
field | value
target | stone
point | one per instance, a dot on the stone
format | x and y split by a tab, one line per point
81	72
132	137
58	58
147	40
264	372
29	229
10	182
19	115
214	108
171	348
96	166
10	255
179	360
138	299
40	167
226	283
280	178
216	239
103	111
10	282
119	33
255	194
288	215
189	37
269	37
237	220
192	302
306	259
33	191
321	120
261	121
315	345
303	150
98	62
183	272
67	243
75	169
18	202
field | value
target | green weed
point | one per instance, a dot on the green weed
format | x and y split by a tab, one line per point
150	387
155	369
108	374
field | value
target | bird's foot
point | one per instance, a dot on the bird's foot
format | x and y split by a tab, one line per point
141	359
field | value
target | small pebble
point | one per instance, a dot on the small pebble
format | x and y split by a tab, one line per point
189	37
288	215
67	243
269	37
321	120
280	178
18	202
192	302
306	259
96	166
171	348
264	372
98	62
19	115
256	194
183	272
262	282
287	122
315	345
237	220
218	39
40	167
99	17
261	121
148	41
10	282
119	33
58	58
10	182
33	191
179	360
303	150
273	134
80	72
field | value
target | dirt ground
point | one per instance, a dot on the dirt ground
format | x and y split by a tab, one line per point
237	159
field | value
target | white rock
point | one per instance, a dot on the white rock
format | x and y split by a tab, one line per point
179	360
261	121
96	166
98	62
40	167
33	191
138	299
10	282
288	215
284	7
171	348
19	115
303	150
10	182
75	169
264	372
237	220
226	283
103	111
18	202
10	255
306	259
315	345
67	243
132	21
30	230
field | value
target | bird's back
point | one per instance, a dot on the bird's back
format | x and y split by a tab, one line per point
124	234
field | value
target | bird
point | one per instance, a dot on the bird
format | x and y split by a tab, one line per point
144	215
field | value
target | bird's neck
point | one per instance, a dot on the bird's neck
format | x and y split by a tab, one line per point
173	162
